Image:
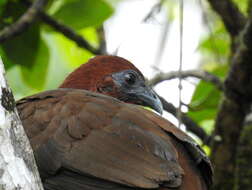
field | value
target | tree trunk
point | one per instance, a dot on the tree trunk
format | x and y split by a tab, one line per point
235	105
244	164
18	170
227	132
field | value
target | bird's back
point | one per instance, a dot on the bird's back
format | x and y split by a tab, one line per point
87	141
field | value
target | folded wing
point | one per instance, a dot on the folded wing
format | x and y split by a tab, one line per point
84	140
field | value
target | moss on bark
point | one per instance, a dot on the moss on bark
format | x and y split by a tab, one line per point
244	163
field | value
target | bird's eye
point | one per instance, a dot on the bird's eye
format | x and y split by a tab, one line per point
130	78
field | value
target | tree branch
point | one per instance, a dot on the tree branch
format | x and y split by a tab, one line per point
188	122
203	75
102	40
69	33
231	16
23	22
239	79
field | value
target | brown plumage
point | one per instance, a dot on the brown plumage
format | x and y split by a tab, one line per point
88	141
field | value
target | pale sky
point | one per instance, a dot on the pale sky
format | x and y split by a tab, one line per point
138	42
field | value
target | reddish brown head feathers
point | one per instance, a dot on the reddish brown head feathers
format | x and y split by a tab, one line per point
88	75
116	77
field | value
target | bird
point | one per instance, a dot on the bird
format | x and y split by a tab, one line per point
93	133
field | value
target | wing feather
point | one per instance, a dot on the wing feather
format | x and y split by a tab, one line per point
78	132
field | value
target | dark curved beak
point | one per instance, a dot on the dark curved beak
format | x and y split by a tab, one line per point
136	93
149	98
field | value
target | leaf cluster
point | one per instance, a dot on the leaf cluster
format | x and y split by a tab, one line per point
32	58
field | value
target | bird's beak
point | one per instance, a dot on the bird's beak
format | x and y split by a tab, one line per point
148	97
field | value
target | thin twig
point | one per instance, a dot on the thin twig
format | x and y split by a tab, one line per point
162	42
181	30
154	10
187	121
23	22
203	75
69	33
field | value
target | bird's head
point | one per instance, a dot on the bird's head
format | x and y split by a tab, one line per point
116	77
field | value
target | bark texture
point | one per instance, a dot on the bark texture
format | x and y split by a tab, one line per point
18	170
244	164
232	112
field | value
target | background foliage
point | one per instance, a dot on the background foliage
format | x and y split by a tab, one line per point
39	58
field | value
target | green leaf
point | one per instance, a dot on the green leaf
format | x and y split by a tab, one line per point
7	63
22	49
208	125
70	52
216	44
35	76
242	5
201	109
11	11
65	56
207	150
206	98
90	33
26	49
2	6
79	14
19	88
